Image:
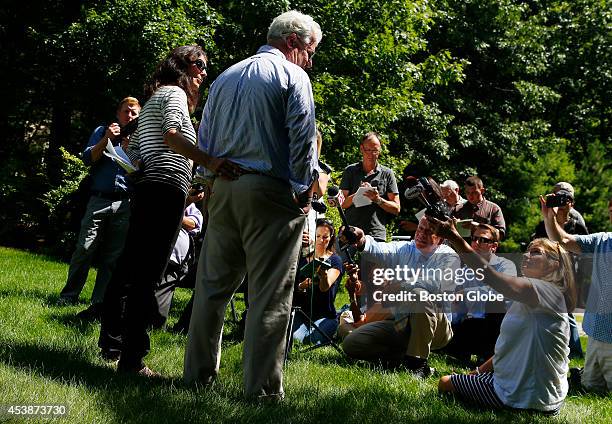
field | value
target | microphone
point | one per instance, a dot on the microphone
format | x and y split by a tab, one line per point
325	167
334	199
317	205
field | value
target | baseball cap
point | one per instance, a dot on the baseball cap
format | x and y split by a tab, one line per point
567	187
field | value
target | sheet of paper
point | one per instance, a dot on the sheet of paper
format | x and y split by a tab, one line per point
420	214
360	198
119	156
464	232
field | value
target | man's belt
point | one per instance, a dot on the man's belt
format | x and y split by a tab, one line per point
252	172
111	196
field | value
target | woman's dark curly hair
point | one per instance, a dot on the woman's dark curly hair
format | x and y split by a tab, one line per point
173	71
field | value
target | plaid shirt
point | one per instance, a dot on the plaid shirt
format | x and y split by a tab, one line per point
484	212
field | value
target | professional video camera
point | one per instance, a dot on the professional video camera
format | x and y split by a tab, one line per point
428	192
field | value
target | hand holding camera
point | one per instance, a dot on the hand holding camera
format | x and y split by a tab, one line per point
352	236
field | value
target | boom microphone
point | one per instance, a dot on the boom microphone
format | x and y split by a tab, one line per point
334	199
317	205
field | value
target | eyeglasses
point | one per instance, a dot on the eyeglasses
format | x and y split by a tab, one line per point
310	53
374	151
537	252
482	240
200	64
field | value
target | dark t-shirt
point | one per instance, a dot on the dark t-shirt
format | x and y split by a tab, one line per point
572	226
322	302
372	219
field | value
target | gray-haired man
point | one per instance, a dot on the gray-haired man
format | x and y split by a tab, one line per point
260	116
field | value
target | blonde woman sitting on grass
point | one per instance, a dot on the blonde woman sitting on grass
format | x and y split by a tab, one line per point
528	370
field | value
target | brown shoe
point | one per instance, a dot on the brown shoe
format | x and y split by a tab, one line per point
142	372
148	373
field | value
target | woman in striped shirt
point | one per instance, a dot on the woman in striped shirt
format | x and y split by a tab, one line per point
162	144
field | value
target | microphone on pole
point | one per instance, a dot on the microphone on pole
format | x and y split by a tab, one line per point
335	199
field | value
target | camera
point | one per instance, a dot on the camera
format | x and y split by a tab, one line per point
196	189
559	199
428	192
128	129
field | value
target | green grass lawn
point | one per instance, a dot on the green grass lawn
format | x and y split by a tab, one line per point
49	357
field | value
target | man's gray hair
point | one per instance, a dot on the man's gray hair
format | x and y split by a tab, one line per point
295	22
450	184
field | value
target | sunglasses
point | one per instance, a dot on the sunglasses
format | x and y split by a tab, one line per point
200	64
482	240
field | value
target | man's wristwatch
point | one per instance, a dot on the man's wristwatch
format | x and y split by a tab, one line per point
379	201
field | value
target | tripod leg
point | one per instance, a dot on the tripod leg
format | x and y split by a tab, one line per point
289	343
312	324
233	307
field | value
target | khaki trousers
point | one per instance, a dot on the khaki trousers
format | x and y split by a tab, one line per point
254	228
425	328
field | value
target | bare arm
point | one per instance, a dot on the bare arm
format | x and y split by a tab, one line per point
328	278
486	366
188	223
554	230
222	167
320	185
515	288
392	205
348	200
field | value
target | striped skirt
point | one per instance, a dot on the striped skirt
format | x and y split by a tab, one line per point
477	389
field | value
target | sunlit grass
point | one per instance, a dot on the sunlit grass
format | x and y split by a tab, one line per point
49	357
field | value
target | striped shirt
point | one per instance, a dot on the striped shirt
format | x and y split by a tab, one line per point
165	110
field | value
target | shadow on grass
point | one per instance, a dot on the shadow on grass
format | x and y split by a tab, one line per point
48	299
137	394
134	399
72	321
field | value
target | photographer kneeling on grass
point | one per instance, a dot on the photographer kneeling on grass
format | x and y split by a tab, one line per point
529	368
418	323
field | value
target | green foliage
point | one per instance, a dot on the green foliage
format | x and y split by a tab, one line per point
534	175
73	170
595	191
460	86
65	205
370	73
